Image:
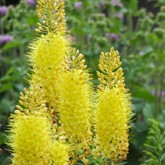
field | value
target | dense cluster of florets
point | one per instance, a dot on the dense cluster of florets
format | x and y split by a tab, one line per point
61	113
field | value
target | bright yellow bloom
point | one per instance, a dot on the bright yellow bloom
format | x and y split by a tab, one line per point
112	124
48	52
75	93
30	140
49	49
46	56
113	109
32	143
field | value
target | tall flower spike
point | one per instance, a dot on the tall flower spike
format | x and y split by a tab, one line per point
113	109
52	15
75	101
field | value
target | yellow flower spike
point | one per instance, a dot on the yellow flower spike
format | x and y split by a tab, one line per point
113	109
75	101
30	139
46	55
48	51
52	15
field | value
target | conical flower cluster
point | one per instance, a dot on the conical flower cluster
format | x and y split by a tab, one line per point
60	114
48	50
31	138
75	91
113	109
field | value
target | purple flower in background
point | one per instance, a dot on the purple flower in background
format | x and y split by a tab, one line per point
3	10
77	5
5	39
117	3
112	36
108	35
30	2
158	93
163	93
102	4
119	15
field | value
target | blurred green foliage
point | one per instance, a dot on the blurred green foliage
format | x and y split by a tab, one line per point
95	26
155	145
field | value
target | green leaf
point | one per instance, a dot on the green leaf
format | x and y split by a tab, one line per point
148	111
146	50
154	146
143	93
32	20
6	87
2	138
9	45
133	4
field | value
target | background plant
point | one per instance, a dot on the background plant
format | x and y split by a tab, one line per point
155	145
